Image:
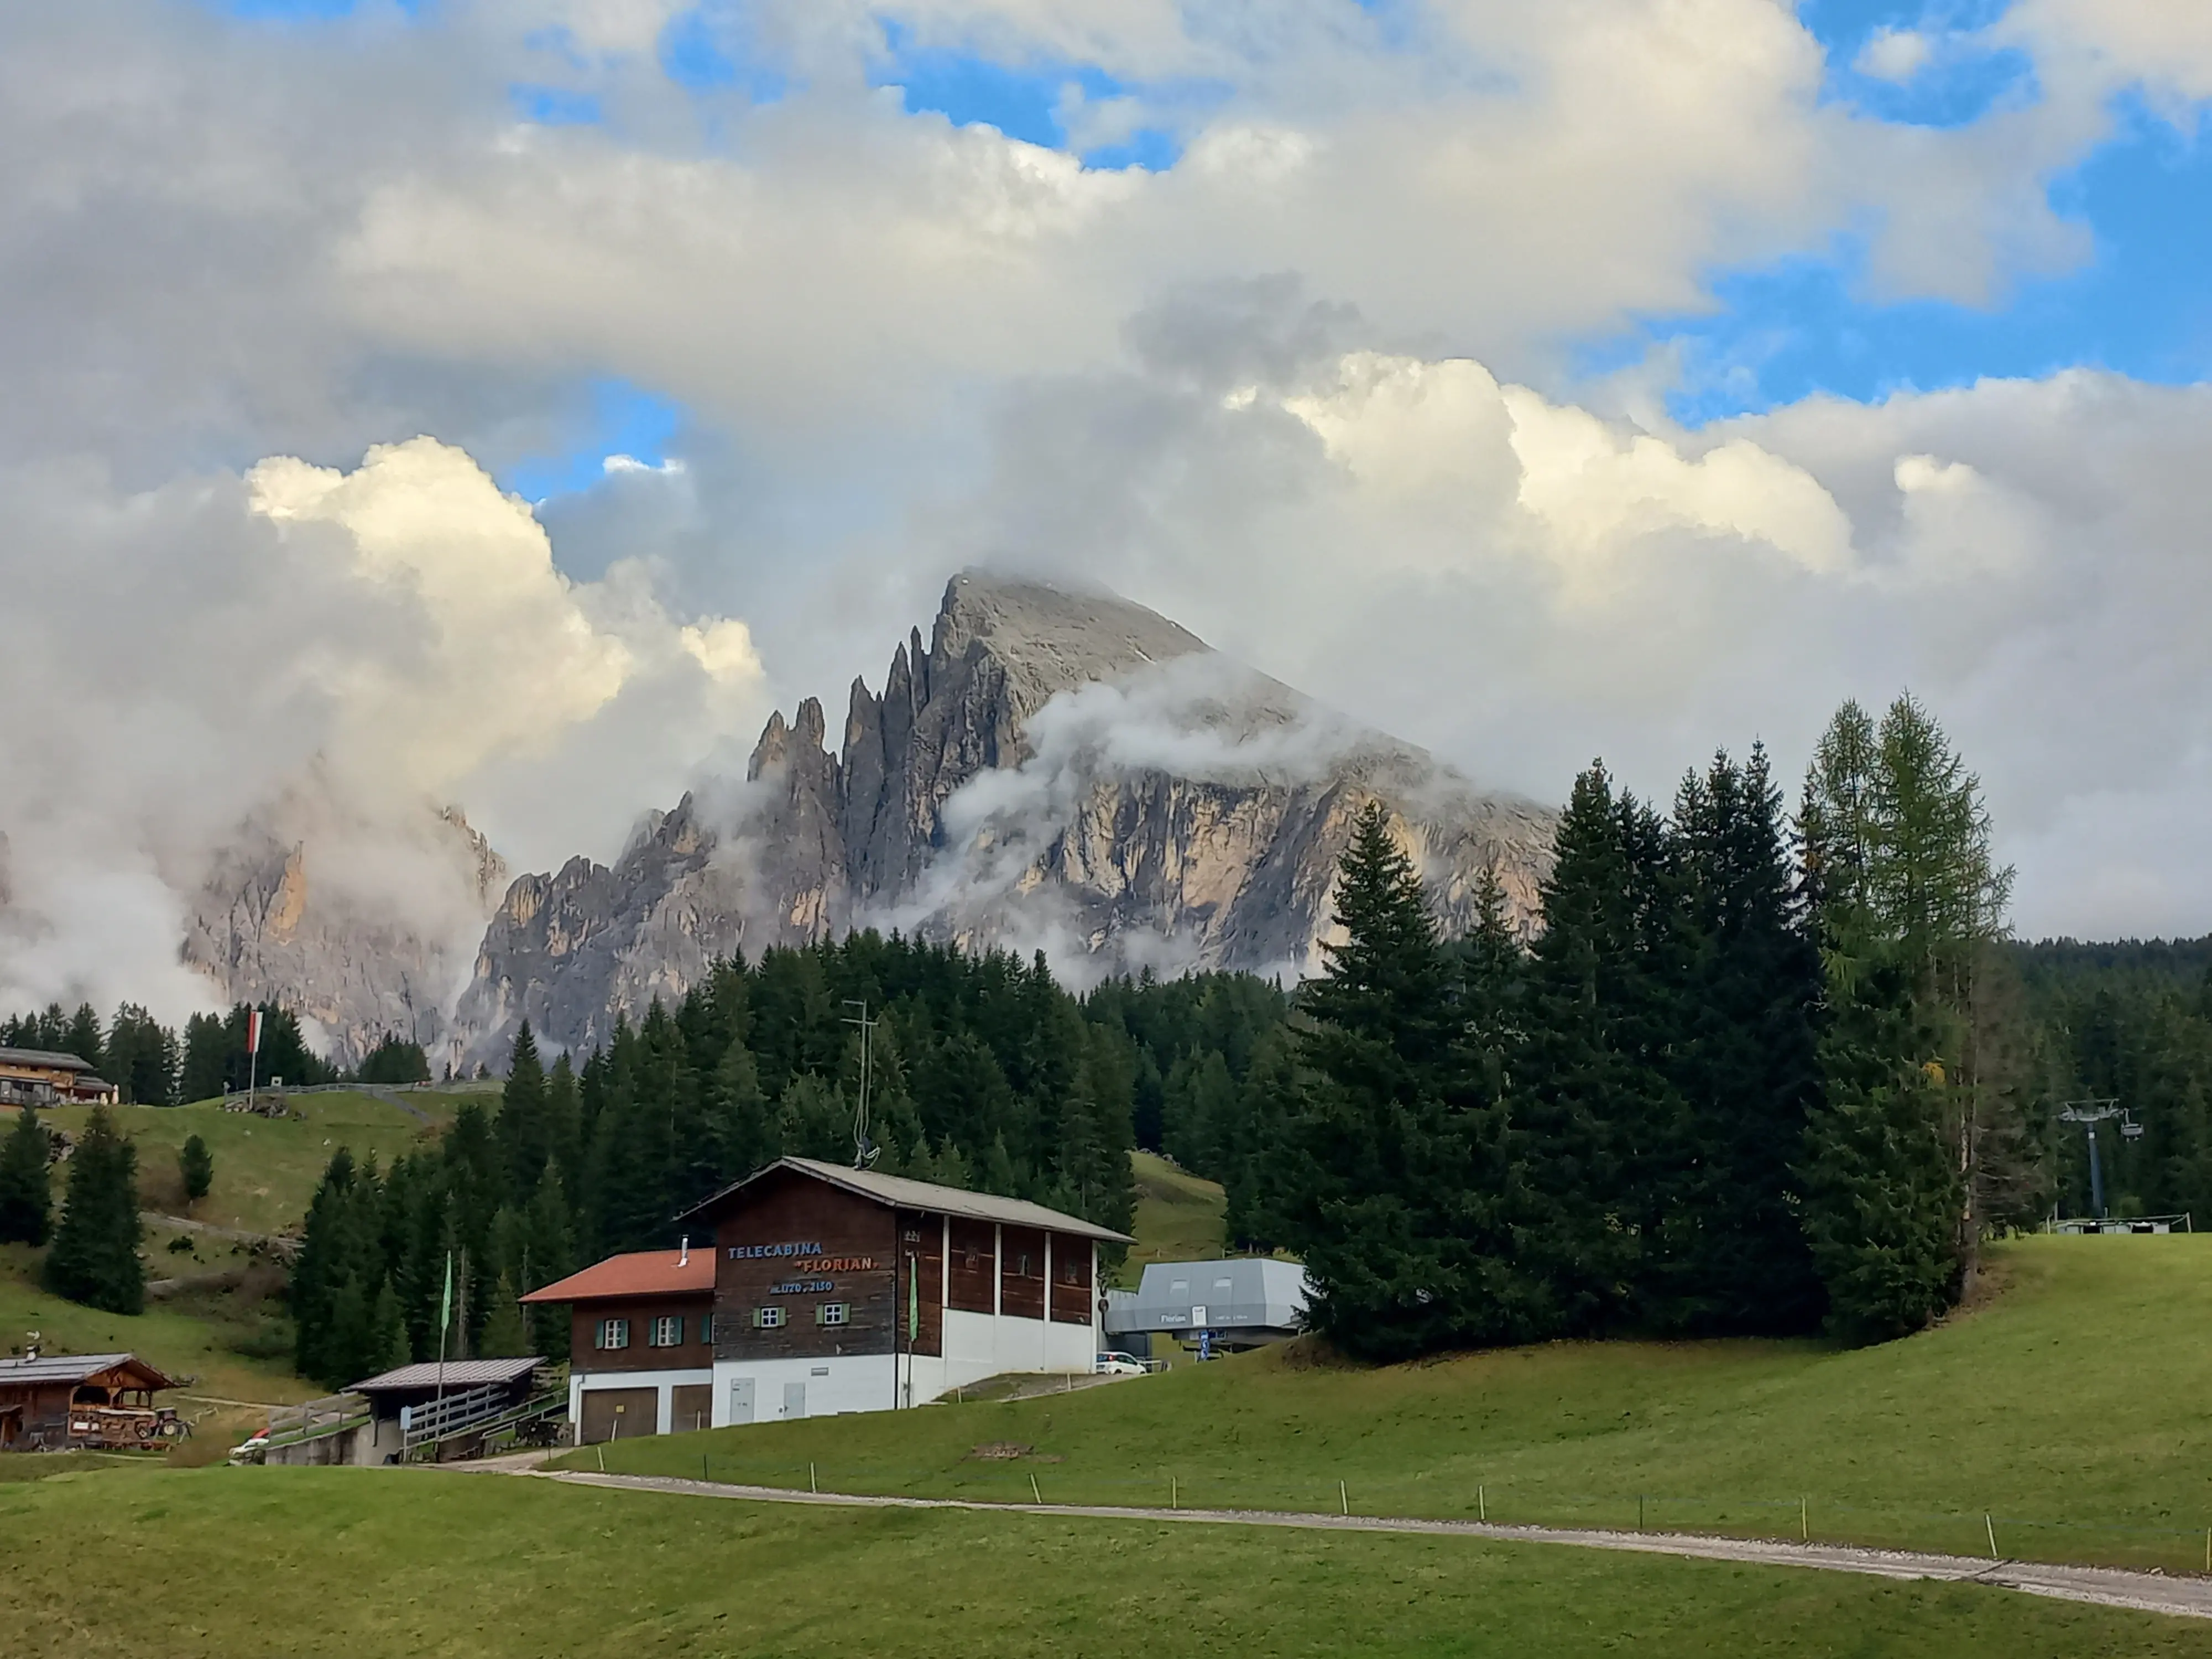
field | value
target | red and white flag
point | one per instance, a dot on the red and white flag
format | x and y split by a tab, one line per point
253	1031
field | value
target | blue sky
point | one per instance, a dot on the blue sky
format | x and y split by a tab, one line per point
1772	333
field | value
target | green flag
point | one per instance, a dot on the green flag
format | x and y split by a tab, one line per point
912	1301
445	1302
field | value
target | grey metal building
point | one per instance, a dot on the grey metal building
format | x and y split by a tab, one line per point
1245	1302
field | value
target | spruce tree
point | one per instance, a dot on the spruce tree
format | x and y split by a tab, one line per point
388	1334
1746	1058
1394	1182
26	1194
195	1168
522	1129
741	1130
547	1243
1883	1192
1584	1099
94	1259
506	1331
83	1037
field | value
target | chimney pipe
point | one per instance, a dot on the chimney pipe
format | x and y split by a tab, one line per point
684	1260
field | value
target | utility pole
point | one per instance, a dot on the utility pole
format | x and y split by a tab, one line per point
865	1150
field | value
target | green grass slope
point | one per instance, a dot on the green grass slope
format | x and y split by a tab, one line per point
224	1323
2071	1408
371	1563
265	1168
227	1345
1179	1216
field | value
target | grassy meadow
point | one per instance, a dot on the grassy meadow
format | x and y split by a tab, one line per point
370	1563
1179	1216
221	1322
2069	1408
265	1168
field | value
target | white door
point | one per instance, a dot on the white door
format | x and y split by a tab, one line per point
795	1399
741	1400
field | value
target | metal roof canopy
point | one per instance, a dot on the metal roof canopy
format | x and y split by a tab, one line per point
458	1374
900	1193
1249	1293
76	1368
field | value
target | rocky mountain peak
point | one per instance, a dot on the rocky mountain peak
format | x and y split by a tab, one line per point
1199	826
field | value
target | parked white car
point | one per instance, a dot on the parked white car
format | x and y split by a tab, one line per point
1117	1365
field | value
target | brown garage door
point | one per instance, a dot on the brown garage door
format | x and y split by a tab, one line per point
691	1406
620	1413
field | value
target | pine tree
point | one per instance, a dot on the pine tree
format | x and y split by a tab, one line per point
388	1347
1586	1098
94	1259
26	1194
1882	1191
523	1134
196	1167
506	1331
741	1131
1394	1182
1744	1059
548	1246
83	1037
207	1054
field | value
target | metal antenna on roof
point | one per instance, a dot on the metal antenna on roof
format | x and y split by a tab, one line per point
865	1150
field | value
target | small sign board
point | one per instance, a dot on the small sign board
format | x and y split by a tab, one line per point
1197	1315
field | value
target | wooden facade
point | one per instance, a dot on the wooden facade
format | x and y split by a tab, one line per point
795	1248
693	1314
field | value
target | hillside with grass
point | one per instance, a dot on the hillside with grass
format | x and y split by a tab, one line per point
2067	1407
365	1564
214	1311
1179	1216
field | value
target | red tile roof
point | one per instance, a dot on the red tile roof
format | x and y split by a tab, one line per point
642	1273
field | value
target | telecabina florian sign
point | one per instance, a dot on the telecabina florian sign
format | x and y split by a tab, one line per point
805	1257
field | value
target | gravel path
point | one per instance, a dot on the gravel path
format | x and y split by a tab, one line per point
283	1244
2146	1592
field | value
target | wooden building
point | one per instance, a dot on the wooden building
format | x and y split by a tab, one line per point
76	1399
640	1343
35	1077
828	1290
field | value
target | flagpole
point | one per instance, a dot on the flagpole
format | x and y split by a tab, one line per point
252	1053
445	1317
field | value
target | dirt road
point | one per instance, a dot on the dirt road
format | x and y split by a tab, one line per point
2147	1592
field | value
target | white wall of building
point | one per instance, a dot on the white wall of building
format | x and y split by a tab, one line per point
663	1382
825	1388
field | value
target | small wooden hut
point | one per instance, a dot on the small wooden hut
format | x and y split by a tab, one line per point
89	1401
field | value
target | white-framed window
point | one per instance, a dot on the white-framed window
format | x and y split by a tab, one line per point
666	1332
613	1334
833	1313
767	1319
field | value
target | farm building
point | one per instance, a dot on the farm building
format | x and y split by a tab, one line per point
90	1399
35	1077
423	1410
828	1290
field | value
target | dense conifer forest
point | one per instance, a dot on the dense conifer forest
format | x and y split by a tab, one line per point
1761	1071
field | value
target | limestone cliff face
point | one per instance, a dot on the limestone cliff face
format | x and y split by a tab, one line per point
1052	770
277	920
